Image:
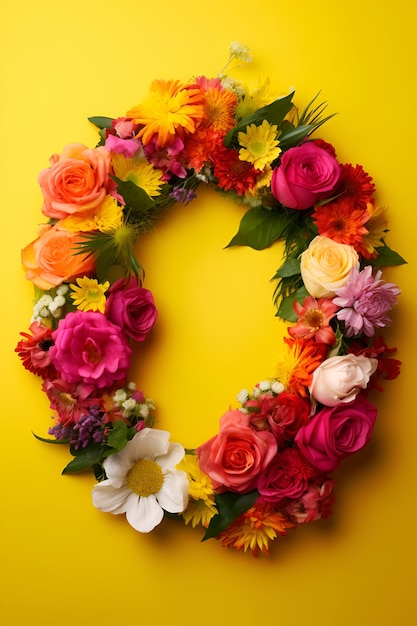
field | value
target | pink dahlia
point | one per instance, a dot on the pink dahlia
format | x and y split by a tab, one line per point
365	302
90	349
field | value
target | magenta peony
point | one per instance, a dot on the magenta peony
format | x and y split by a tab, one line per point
90	349
365	302
305	175
132	308
337	432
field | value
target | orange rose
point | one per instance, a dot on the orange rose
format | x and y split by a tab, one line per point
77	180
50	260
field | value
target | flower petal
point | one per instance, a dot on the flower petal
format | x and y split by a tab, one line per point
173	495
109	499
172	457
144	514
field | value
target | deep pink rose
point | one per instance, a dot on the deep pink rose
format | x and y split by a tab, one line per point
336	432
132	308
236	456
90	349
282	414
305	175
285	477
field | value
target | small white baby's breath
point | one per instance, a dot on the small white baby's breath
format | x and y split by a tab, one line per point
242	396
277	387
144	410
129	404
265	385
119	396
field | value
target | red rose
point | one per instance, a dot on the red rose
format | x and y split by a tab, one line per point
236	456
285	477
305	175
335	433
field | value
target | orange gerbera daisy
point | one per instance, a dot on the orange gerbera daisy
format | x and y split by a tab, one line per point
296	371
219	109
255	529
171	106
342	222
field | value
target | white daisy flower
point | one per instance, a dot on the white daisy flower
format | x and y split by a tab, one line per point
142	481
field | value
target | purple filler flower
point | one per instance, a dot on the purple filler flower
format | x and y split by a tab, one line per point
365	302
90	349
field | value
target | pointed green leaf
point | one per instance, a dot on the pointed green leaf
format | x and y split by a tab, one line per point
274	113
135	197
294	136
101	122
54	441
387	257
85	458
259	228
229	506
285	310
288	268
118	435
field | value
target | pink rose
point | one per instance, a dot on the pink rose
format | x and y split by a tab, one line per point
335	433
77	180
236	456
90	349
285	477
305	175
132	308
339	379
282	414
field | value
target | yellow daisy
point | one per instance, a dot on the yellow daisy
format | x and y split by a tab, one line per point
140	172
88	295
259	144
106	217
201	506
254	100
170	106
377	227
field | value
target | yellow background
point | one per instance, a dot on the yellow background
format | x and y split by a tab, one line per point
62	561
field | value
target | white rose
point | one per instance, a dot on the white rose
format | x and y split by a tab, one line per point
325	266
340	378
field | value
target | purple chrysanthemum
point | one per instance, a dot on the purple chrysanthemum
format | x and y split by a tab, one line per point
365	302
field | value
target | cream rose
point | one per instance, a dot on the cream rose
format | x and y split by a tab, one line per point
339	379
326	265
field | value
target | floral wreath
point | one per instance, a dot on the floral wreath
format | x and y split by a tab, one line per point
269	467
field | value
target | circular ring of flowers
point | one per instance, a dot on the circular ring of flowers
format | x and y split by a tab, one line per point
269	467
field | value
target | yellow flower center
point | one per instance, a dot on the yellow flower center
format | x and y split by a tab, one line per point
145	477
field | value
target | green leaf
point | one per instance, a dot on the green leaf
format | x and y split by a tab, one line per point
285	310
274	113
294	136
84	458
259	228
229	506
54	441
118	435
101	122
288	268
387	257
135	197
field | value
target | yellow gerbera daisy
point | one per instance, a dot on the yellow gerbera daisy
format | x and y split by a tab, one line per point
88	295
259	144
106	217
170	105
140	172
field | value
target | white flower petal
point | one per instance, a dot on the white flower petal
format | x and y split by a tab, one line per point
107	498
173	495
144	514
149	443
172	457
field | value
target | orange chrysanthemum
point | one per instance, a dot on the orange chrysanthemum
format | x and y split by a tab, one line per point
296	371
171	107
342	222
219	109
255	529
